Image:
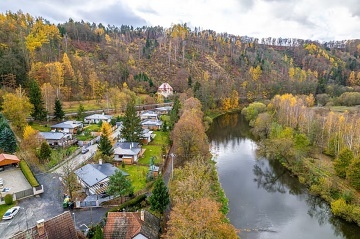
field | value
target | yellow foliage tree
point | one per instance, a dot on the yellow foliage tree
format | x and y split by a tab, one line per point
226	103
234	100
106	130
255	72
17	107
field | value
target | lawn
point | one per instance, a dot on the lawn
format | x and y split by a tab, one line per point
40	127
73	106
92	128
154	148
151	150
137	175
4	208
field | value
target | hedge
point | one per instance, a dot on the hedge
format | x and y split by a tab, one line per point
28	174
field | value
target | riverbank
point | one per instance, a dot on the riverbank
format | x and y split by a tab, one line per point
319	175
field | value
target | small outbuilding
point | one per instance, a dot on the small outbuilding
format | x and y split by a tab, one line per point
8	159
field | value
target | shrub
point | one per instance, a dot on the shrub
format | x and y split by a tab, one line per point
28	174
8	199
342	162
342	209
353	174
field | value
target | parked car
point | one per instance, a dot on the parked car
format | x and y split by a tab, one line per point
84	150
9	214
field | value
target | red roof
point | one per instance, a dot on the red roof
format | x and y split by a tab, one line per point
6	159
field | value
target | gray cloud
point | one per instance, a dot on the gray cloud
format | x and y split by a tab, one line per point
116	14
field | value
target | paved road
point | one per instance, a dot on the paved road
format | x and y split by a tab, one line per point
46	206
81	158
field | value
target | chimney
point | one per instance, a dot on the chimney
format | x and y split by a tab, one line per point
40	227
142	215
100	161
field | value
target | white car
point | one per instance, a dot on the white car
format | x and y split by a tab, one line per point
9	214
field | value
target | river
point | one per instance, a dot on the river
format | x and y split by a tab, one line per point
265	201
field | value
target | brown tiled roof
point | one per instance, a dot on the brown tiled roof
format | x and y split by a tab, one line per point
59	227
126	225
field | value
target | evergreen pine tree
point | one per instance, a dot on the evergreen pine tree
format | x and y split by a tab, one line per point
132	129
105	146
45	151
80	115
7	140
160	196
58	111
39	112
119	184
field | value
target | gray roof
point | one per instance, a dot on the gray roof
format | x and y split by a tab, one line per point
165	108
67	125
146	133
98	116
91	174
149	113
53	135
127	148
151	122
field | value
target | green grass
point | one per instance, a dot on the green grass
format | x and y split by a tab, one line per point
161	138
73	106
137	175
40	127
344	108
4	208
92	128
84	137
154	148
151	150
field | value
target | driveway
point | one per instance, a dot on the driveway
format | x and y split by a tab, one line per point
14	180
46	206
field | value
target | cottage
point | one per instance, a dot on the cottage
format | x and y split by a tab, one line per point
163	110
165	89
71	127
60	226
149	115
8	159
56	138
127	152
95	177
96	118
152	125
147	136
129	225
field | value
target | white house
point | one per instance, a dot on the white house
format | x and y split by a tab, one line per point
151	124
96	118
56	138
165	89
149	115
95	177
127	152
70	127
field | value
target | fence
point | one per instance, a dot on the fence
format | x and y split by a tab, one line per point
25	193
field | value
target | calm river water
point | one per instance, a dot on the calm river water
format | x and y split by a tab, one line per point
265	201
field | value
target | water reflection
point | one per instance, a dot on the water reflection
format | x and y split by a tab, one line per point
265	200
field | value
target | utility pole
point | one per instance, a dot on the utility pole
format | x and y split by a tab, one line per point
172	165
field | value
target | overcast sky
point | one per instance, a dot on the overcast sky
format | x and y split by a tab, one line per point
321	20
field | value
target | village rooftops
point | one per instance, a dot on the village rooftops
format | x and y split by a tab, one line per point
127	148
91	174
53	135
68	125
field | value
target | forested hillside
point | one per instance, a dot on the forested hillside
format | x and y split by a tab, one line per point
82	60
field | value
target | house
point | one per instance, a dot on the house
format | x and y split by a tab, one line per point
8	159
127	152
56	138
60	226
71	127
129	225
165	89
163	110
152	125
96	118
149	115
147	136
95	177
